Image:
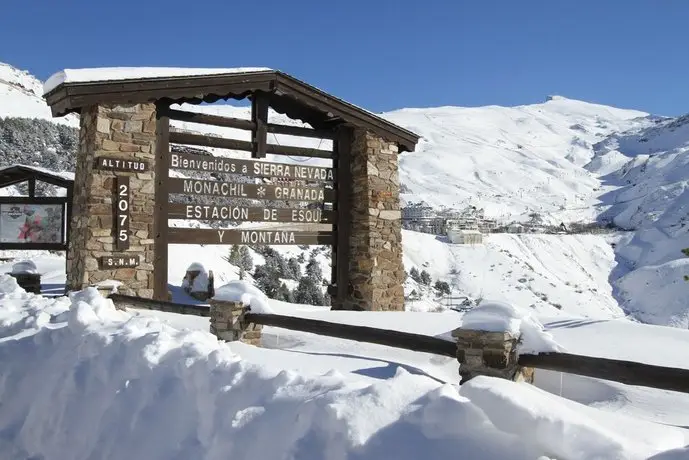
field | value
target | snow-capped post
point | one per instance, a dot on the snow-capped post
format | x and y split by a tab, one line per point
491	337
27	276
227	323
228	307
489	353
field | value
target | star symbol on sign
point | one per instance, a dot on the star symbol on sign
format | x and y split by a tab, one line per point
261	191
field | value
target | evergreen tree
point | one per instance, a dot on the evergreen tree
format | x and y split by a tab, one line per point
294	269
300	258
284	294
313	270
234	258
267	280
442	287
425	277
308	292
414	273
245	260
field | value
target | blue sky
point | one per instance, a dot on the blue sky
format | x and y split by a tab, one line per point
381	54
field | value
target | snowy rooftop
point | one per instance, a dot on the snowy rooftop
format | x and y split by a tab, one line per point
60	175
102	74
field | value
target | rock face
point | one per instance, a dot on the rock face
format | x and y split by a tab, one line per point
121	131
375	265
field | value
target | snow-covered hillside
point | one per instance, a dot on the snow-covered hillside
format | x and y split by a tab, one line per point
21	95
509	160
650	193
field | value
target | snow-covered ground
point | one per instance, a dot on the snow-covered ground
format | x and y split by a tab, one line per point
82	380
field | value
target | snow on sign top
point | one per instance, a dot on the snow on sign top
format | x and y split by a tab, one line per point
100	74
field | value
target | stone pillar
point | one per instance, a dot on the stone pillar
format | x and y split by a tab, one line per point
489	353
227	323
376	268
119	131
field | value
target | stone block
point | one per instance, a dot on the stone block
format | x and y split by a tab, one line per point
103	125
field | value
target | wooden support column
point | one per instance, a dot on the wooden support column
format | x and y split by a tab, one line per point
343	181
32	188
259	117
160	224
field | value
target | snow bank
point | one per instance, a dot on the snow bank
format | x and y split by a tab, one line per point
498	317
101	74
249	295
88	381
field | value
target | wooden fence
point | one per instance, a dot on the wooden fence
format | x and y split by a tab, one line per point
627	372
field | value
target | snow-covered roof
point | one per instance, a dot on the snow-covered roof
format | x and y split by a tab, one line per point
19	169
288	95
104	74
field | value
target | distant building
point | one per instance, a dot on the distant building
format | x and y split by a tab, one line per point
458	236
417	212
515	228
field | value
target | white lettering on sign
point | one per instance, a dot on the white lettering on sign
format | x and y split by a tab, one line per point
122	213
306	215
118	262
303	194
213	188
249	167
266	237
127	165
217	212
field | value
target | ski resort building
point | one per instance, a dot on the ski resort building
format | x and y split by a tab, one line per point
458	236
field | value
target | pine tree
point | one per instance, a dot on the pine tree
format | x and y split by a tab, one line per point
284	294
308	292
414	273
313	270
425	277
267	280
442	287
245	260
234	258
294	269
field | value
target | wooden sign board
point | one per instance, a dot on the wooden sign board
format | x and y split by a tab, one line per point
112	262
257	191
121	164
208	163
122	212
212	236
249	214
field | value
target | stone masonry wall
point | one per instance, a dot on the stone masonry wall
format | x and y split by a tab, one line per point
376	268
121	131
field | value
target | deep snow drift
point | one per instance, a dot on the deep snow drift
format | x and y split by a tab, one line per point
81	380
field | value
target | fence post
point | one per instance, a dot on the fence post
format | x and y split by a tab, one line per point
228	323
489	353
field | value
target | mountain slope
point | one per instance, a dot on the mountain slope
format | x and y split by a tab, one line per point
21	95
651	195
509	160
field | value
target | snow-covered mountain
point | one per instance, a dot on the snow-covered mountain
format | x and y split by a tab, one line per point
650	194
21	95
510	160
568	160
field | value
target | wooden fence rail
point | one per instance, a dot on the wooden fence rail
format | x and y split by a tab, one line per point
396	339
630	373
